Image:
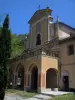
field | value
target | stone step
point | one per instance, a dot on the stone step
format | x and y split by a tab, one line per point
54	93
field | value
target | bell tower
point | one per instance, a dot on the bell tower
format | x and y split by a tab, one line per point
39	27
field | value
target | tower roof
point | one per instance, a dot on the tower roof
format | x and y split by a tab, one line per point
39	14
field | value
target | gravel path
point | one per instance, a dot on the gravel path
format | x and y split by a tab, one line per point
36	97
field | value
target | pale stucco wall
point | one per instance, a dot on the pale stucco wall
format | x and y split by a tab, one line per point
47	63
64	31
65	58
44	31
68	62
62	34
35	29
71	71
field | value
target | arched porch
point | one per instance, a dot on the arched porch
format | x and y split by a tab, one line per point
51	78
33	77
19	77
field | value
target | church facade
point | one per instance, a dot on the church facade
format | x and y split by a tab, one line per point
44	64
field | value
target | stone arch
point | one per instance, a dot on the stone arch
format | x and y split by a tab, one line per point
51	78
19	66
33	69
20	76
30	67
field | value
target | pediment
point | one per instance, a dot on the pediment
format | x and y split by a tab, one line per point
39	14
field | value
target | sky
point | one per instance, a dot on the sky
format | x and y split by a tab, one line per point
20	11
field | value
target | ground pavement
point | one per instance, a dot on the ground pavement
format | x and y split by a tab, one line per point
44	96
37	97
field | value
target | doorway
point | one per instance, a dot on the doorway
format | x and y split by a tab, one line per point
34	78
66	83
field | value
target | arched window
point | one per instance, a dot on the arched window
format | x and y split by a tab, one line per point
38	39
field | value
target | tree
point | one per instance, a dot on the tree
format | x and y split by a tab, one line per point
5	50
17	46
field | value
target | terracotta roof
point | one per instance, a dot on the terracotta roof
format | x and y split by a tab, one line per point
39	14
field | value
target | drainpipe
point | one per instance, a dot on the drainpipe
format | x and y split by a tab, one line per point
59	71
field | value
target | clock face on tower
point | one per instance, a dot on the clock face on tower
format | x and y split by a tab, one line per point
38	39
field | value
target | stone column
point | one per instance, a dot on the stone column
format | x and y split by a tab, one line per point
24	79
27	81
56	89
39	80
43	79
14	80
30	79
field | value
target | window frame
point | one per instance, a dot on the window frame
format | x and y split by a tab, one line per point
38	37
70	49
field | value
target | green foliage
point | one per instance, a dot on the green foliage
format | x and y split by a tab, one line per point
5	50
5	45
20	93
23	39
65	97
16	46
